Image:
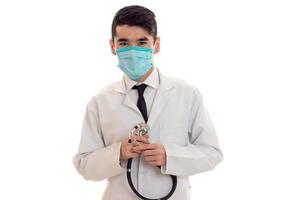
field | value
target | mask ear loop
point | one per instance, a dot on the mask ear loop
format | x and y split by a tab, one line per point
129	162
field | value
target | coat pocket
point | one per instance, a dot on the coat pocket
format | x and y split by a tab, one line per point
176	133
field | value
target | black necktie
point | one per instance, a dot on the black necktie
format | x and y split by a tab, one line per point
141	104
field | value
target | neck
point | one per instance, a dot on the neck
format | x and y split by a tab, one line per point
146	75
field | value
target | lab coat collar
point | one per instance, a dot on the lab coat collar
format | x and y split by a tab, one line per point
152	80
164	84
159	102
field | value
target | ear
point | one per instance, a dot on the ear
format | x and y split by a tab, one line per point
112	47
157	45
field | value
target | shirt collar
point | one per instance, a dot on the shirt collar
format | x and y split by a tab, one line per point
152	80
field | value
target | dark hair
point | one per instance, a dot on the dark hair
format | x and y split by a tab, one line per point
135	16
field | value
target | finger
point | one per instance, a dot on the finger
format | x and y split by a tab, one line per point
150	158
141	139
154	163
136	151
144	147
146	136
138	147
130	148
137	144
150	152
141	147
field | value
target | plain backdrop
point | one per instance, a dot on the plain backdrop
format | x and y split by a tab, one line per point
242	55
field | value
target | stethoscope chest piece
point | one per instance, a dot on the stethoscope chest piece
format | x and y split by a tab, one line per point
140	130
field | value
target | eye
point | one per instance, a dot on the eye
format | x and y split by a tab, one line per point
123	43
141	43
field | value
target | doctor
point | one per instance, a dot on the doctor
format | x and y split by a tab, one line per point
181	139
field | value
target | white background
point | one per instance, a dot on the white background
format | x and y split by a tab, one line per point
242	55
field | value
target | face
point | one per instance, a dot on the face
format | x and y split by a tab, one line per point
133	36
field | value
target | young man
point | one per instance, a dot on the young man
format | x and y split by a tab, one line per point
181	138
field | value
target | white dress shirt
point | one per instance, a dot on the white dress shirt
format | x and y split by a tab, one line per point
152	81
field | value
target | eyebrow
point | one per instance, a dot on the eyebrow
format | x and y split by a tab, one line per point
123	40
143	39
126	40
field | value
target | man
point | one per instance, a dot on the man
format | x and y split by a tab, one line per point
181	139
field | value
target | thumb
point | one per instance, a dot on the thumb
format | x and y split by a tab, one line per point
146	136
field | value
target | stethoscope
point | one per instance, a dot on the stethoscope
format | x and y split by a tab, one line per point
140	130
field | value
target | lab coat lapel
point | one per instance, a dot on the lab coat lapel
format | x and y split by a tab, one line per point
159	102
127	101
130	104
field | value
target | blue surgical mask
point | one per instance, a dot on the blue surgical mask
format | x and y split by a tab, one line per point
135	61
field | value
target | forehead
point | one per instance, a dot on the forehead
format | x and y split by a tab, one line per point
131	32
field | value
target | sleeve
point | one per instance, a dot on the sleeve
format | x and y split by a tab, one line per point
202	153
94	160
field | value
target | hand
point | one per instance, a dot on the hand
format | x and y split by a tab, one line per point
127	151
154	154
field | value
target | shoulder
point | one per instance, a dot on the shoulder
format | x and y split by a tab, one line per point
110	88
106	93
184	86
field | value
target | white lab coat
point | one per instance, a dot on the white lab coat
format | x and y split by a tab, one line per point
178	119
